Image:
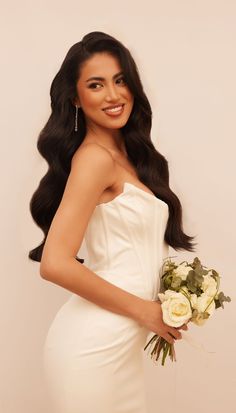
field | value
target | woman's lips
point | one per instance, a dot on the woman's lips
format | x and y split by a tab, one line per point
116	111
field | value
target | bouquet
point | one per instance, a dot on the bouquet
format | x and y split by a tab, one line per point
190	292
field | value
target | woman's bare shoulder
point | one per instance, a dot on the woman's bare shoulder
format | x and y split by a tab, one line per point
94	152
93	162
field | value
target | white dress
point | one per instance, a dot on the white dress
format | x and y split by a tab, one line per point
93	357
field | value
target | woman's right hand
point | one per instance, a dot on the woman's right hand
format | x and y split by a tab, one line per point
151	317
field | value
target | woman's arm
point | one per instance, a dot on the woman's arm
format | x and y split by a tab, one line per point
92	170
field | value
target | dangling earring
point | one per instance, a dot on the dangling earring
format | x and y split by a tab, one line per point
76	118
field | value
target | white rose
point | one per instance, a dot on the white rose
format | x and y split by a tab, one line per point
176	308
182	271
202	303
209	285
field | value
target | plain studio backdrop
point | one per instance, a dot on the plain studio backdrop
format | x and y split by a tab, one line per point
185	52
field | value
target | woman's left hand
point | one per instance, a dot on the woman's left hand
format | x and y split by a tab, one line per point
183	327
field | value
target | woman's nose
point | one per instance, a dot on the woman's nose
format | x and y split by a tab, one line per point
112	93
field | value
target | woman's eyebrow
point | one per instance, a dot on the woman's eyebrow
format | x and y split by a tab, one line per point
102	78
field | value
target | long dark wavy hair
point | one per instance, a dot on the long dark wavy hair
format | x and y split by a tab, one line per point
58	141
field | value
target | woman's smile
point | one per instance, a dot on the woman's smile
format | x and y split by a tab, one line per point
115	110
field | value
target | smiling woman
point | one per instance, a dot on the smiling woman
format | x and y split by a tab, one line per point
109	186
109	93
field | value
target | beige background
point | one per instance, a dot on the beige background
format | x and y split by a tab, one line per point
185	51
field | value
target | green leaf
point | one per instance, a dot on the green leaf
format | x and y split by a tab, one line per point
222	298
176	282
194	280
215	275
167	281
217	304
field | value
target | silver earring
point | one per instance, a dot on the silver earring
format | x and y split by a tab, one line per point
76	118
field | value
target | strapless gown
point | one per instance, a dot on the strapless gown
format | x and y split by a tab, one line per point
93	358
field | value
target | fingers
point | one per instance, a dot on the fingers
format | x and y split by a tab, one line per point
172	335
168	338
176	333
183	327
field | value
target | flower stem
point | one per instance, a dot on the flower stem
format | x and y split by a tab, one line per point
151	340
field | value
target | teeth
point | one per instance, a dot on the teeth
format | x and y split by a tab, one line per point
117	109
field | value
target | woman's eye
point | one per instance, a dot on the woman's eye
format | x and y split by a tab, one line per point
122	78
93	84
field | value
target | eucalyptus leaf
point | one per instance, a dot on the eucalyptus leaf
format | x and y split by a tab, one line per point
217	304
176	282
222	298
194	280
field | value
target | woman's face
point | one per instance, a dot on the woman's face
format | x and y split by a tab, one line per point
94	95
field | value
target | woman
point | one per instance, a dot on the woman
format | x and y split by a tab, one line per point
107	185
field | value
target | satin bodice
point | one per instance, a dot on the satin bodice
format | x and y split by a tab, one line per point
125	240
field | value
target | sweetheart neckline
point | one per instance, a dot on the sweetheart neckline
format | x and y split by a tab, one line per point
145	193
